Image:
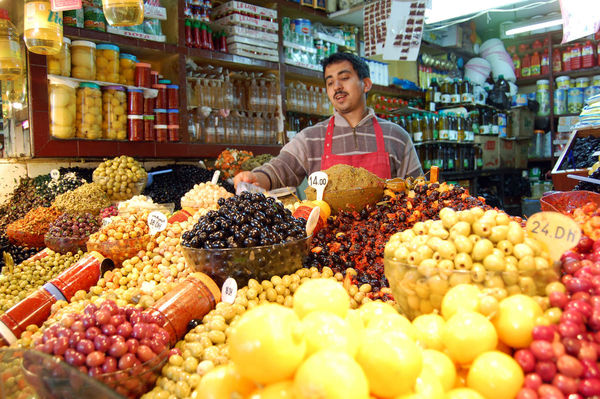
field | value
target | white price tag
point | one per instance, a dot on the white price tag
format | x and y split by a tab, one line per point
559	232
229	290
55	174
215	178
318	181
157	222
106	221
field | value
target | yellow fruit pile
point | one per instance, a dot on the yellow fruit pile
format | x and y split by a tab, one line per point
321	348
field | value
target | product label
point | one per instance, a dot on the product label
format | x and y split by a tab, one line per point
437	97
495	129
418	136
455	98
38	15
535	70
229	290
469	136
427	164
467	98
525	71
557	231
215	178
65	5
10	49
465	163
106	221
444	134
587	51
450	163
453	135
318	181
157	222
479	163
446	98
432	107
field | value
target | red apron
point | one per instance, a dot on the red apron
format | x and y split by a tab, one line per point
377	162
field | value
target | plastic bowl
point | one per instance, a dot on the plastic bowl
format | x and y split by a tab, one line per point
65	244
242	264
419	290
566	202
24	239
119	250
354	199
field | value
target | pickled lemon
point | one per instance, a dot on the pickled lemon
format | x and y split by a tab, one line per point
463	393
430	328
321	294
324	330
372	309
355	322
467	335
495	375
390	361
332	375
325	209
429	386
266	343
394	322
441	366
463	297
515	320
223	382
279	390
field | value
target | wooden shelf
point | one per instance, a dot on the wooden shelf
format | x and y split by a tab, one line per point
579	72
128	42
396	91
530	80
230	59
300	73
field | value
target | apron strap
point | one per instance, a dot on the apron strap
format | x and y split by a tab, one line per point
379	136
329	136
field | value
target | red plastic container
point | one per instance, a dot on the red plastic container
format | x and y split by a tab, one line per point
173	96
82	275
142	74
588	60
148	127
576	57
135	127
173	132
135	102
161	98
567	201
34	309
566	59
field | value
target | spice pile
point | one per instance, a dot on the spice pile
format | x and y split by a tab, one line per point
47	188
89	198
29	231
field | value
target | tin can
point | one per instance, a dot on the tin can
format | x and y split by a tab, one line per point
560	101
302	26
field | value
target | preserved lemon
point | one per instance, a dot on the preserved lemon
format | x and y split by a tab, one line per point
43	28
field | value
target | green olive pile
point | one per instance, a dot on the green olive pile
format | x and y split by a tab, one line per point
30	275
121	177
474	246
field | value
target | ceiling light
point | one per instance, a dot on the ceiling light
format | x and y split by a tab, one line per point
443	10
528	26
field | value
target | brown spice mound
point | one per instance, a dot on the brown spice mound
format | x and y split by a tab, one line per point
89	198
344	177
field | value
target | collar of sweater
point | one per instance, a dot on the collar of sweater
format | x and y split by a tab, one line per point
340	121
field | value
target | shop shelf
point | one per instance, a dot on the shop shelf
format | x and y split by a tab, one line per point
298	72
352	16
446	50
129	42
530	80
580	72
151	93
396	91
230	59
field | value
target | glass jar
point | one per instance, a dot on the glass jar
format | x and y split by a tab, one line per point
60	64
153	78
161	133
83	59
62	107
161	116
114	116
142	74
107	63
173	132
135	102
149	104
135	127
173	96
161	98
43	31
173	116
127	69
89	111
123	12
11	59
148	127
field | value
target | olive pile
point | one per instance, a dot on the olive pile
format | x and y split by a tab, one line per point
49	188
74	226
121	178
243	221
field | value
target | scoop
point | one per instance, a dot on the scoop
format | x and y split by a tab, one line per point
152	174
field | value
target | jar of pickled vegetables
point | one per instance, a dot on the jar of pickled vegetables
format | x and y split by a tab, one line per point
142	74
123	12
161	98
83	59
62	107
114	116
107	63
135	127
60	64
127	69
135	102
89	111
148	127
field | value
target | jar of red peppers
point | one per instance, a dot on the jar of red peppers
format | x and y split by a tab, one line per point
148	127
173	116
161	133
135	102
149	104
142	74
173	132
153	78
161	116
135	127
161	98
173	96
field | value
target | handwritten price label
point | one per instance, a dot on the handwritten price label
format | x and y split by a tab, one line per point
318	181
54	174
557	231
157	222
215	178
229	290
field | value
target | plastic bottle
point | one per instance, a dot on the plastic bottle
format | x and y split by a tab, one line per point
460	127
253	97
566	59
535	67
576	57
587	55
502	84
443	128
43	28
452	128
197	37
526	66
545	63
189	38
123	12
517	64
417	134
556	61
11	61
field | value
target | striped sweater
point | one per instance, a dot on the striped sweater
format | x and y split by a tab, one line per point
302	155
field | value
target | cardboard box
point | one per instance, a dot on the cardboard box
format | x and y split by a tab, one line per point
246	21
490	149
521	121
451	36
238	6
566	123
514	153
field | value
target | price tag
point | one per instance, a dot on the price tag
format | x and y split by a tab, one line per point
318	181
215	178
106	221
54	174
65	5
229	290
157	222
557	231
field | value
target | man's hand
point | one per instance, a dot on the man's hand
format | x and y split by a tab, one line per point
258	179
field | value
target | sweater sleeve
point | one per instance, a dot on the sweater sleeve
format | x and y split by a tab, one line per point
412	164
290	167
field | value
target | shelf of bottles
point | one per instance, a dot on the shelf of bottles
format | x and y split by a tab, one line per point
306	105
233	108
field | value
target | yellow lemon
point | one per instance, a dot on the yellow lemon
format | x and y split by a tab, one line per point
321	294
266	343
371	309
279	390
441	366
223	382
463	393
515	320
429	386
390	361
495	375
324	330
355	322
395	322
332	375
325	208
467	335
430	328
412	396
463	297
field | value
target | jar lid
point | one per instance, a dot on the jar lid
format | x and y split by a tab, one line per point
160	126
172	126
173	87
135	116
135	90
90	85
115	87
154	72
83	43
128	56
159	86
143	65
164	81
160	111
107	47
583	79
66	40
562	78
538	131
173	111
542	82
148	117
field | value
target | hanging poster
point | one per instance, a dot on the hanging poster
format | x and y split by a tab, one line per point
580	18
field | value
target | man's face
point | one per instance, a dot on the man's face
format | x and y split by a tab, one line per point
344	89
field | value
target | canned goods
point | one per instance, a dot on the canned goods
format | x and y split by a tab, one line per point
575	100
596	80
560	101
302	26
542	96
563	82
582	82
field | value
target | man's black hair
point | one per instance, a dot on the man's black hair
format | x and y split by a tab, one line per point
359	65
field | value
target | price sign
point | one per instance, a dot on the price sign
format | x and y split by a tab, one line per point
65	5
215	178
318	181
106	221
557	231
54	174
157	222
229	290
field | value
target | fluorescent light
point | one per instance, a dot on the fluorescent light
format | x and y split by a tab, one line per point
534	26
443	10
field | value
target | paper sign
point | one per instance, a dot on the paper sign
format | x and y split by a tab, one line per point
215	178
318	181
54	174
229	290
580	18
557	231
157	222
65	5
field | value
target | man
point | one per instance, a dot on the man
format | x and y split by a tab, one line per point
352	136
